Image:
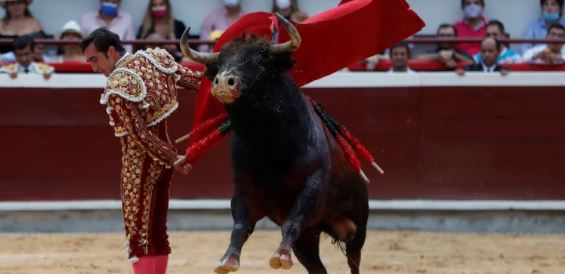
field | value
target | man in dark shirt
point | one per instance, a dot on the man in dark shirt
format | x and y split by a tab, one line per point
446	51
490	49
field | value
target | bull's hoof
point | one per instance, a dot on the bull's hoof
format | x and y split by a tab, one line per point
227	265
278	260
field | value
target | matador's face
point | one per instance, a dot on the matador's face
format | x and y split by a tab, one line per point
102	62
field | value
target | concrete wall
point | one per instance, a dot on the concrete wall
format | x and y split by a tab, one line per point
515	221
514	13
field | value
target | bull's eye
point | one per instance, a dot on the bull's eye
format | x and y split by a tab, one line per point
231	82
216	81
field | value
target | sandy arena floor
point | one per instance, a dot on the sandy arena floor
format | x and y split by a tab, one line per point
384	252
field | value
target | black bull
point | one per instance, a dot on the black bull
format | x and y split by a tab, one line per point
286	164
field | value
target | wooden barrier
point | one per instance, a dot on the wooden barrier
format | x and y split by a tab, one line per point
437	136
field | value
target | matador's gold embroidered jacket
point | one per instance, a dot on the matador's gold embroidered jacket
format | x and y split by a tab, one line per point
140	94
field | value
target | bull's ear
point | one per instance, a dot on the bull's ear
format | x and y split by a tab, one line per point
211	71
281	62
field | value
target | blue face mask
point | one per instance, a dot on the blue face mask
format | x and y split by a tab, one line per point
550	17
109	9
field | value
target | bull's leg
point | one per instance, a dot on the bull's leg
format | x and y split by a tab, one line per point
307	250
353	249
292	227
244	224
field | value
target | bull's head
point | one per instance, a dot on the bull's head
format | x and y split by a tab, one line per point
245	64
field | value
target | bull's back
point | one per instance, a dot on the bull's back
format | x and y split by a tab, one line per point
347	191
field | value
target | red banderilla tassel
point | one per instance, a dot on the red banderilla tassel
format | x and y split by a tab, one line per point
197	149
360	149
207	125
351	158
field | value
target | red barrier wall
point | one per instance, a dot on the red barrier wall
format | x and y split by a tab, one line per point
433	143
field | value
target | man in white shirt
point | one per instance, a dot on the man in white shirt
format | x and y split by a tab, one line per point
552	53
23	52
399	58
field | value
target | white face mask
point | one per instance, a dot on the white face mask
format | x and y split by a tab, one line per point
473	11
283	4
231	3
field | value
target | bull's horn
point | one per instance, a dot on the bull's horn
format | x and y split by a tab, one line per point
200	57
293	43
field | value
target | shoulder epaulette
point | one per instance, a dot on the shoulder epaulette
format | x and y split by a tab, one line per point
126	84
160	58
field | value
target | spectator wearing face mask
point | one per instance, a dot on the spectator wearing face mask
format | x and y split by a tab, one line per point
490	50
551	13
495	29
220	19
110	17
158	23
289	9
473	25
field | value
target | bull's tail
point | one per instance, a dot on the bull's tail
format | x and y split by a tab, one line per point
347	141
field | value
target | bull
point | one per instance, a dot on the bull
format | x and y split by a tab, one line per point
286	164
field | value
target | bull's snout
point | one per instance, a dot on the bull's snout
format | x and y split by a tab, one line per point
226	88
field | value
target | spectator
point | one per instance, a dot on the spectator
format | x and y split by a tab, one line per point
38	55
158	22
18	21
552	53
110	17
490	50
23	49
289	9
495	29
399	58
71	52
473	25
220	19
551	13
446	52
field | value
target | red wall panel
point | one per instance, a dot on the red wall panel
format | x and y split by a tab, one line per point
433	143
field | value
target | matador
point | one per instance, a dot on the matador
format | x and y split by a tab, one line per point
140	94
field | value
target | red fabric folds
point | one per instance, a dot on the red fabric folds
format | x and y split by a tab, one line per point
331	40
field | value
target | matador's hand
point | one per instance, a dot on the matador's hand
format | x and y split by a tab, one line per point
181	166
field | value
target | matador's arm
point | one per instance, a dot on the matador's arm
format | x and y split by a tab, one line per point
188	78
126	113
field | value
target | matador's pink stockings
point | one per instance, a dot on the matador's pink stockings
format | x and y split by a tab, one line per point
151	265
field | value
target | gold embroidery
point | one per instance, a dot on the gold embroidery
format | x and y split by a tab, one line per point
125	60
140	170
137	194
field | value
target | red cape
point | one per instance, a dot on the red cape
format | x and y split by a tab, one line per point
331	40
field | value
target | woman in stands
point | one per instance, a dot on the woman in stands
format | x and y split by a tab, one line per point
71	52
159	24
18	21
289	9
